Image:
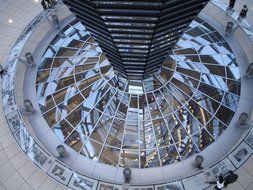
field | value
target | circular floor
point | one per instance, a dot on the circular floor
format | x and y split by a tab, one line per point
14	173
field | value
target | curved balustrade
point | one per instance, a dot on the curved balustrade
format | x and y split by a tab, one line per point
67	176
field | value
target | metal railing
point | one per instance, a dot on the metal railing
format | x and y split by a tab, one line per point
27	42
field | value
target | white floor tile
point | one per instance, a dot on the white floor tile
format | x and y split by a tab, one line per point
36	179
248	165
25	186
14	182
27	170
245	179
6	170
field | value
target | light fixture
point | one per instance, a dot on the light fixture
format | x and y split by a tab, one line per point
10	21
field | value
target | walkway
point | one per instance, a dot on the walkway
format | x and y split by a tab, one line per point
245	181
16	172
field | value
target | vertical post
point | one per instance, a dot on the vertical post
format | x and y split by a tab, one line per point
229	28
61	151
198	161
29	58
249	71
55	20
242	120
127	175
28	106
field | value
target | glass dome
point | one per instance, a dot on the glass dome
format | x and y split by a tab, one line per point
166	118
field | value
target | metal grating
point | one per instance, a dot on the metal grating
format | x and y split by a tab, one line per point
136	36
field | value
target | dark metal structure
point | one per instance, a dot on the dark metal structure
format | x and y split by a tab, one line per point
136	35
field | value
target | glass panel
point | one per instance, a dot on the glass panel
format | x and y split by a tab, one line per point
181	97
67	106
214	93
116	133
190	73
215	127
169	155
149	136
75	116
91	149
63	129
207	103
153	107
231	101
52	116
110	156
158	120
46	63
198	112
163	137
64	94
66	52
46	104
186	148
43	76
234	87
129	158
44	89
202	139
189	123
149	158
102	127
74	141
224	114
131	138
61	62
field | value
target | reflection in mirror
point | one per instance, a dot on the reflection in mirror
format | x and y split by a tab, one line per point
167	117
169	155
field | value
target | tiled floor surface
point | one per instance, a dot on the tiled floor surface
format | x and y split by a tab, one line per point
16	171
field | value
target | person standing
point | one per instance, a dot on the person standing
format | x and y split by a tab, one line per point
49	3
220	183
231	4
44	4
243	12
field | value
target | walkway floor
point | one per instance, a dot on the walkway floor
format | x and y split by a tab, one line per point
14	168
245	181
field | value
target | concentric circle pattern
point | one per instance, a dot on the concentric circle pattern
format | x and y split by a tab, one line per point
164	119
